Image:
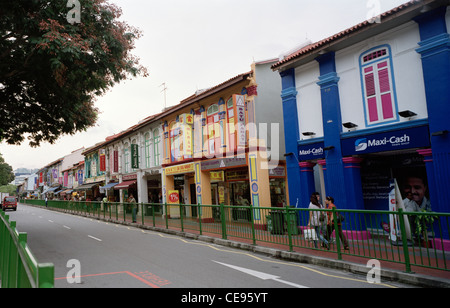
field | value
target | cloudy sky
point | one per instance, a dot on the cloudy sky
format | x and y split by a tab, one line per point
196	44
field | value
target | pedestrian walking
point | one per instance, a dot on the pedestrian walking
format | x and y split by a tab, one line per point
133	207
330	223
317	219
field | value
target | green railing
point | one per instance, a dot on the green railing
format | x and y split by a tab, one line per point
18	266
425	243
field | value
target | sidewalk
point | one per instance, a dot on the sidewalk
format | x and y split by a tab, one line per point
422	277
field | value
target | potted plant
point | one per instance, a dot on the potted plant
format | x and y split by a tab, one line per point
422	222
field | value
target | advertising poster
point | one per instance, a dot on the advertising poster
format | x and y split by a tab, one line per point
409	171
173	199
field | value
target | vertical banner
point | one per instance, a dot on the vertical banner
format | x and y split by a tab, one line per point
134	156
116	162
188	146
395	203
66	179
252	165
80	177
240	120
102	154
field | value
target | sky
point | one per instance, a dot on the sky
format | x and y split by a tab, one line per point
195	44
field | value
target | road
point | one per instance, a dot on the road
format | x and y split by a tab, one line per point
88	253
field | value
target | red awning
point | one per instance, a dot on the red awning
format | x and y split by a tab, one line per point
125	185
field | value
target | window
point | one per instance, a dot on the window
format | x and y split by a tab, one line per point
147	150
230	126
213	129
156	144
126	158
377	79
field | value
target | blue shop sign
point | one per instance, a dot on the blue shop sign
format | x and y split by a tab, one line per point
311	151
416	137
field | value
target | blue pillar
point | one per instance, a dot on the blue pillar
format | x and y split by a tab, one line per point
435	51
307	182
332	128
352	173
291	135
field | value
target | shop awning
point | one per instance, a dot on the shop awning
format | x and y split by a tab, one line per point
86	186
66	192
50	190
108	186
125	185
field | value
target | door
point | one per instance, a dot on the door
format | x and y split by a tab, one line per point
193	194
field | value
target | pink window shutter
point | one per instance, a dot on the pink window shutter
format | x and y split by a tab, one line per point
371	98
385	88
373	109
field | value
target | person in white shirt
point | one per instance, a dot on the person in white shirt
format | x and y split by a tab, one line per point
315	220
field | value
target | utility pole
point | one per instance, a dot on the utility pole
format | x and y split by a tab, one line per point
164	90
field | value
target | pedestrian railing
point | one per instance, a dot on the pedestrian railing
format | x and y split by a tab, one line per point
18	267
410	239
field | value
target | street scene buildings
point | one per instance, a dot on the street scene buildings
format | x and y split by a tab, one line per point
343	117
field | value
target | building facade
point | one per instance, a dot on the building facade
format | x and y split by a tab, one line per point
367	106
215	151
134	160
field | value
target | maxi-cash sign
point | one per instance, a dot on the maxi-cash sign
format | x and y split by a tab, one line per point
416	137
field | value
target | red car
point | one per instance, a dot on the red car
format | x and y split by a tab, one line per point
9	203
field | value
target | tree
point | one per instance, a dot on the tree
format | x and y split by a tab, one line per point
52	69
6	172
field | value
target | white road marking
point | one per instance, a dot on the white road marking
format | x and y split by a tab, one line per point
94	238
68	228
261	275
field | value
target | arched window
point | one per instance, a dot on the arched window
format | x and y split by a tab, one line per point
377	78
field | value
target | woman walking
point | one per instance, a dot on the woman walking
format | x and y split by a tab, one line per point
316	218
330	223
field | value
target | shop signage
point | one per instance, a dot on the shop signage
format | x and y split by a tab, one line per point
223	163
278	171
134	156
187	129
80	176
180	169
116	162
102	154
240	112
416	137
95	179
311	151
217	176
129	177
237	175
174	197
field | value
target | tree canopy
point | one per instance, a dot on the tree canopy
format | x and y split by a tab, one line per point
6	172
52	70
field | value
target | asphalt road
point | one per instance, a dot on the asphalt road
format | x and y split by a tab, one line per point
93	254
